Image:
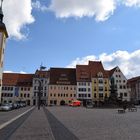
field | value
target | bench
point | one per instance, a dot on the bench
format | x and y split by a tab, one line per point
121	111
132	109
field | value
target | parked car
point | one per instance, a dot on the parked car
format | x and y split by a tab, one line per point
5	107
75	103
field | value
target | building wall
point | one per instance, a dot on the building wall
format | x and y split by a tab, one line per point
8	94
11	95
121	82
60	93
84	90
25	95
100	88
2	48
44	90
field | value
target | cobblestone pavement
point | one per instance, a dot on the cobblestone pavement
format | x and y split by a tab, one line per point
6	116
35	127
99	124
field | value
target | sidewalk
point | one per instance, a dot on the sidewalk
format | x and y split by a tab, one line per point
36	127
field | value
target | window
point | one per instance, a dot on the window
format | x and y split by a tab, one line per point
100	88
82	89
125	94
89	95
124	87
100	81
95	95
100	94
121	95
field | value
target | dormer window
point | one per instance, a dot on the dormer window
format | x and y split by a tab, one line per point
100	74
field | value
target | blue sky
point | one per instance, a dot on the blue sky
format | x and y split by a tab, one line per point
63	33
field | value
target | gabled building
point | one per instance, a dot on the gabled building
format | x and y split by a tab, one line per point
17	88
84	88
40	80
100	81
62	86
120	81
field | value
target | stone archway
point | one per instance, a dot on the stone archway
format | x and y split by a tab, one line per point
62	102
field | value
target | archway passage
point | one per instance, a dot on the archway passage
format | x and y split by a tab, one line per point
62	102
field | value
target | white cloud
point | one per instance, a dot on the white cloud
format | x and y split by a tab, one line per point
39	6
129	63
21	72
101	9
131	3
17	14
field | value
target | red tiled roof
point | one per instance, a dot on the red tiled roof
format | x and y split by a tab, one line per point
83	73
96	67
63	76
41	74
13	79
134	79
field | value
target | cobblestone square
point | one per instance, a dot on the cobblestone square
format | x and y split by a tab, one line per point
99	124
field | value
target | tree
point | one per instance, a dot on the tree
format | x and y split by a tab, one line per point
113	92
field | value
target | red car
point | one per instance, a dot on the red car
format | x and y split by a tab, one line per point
75	103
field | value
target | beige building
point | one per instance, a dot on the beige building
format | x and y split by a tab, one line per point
62	86
3	36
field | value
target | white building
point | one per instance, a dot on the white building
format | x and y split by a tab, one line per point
84	86
40	77
121	82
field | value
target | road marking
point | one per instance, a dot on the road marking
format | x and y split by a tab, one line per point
10	121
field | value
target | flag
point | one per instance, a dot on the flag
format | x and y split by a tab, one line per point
16	91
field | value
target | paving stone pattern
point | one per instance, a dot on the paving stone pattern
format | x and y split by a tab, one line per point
99	124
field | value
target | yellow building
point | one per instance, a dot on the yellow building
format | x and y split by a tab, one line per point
100	82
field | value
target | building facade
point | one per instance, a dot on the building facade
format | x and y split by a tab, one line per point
62	86
100	82
120	81
84	86
134	85
17	88
40	80
3	36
